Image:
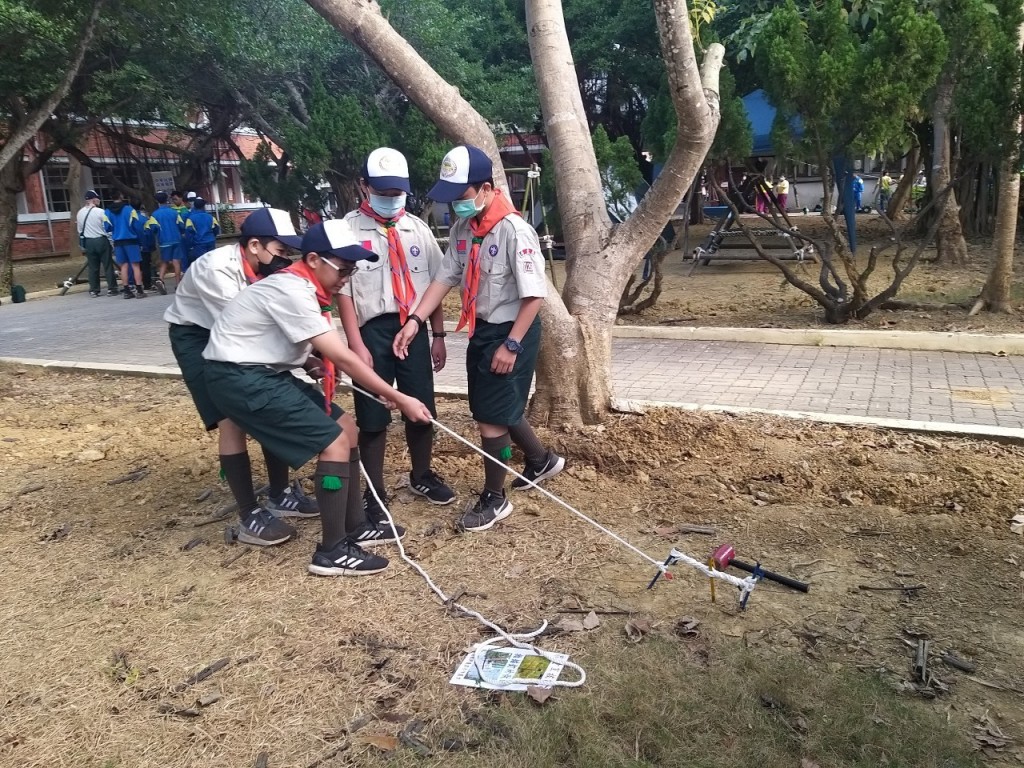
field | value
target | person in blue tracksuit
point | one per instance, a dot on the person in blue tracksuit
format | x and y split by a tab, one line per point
172	248
201	230
124	225
150	242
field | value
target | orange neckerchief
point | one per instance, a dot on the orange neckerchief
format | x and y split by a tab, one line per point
499	208
250	274
324	299
401	279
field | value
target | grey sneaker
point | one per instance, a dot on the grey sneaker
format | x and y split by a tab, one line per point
489	509
553	464
292	503
263	529
346	559
431	487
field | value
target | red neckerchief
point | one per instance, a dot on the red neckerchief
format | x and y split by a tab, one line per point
250	275
499	208
401	279
325	300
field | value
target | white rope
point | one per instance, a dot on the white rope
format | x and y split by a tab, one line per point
480	649
745	585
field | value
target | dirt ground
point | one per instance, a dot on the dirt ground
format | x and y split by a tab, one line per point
115	593
752	294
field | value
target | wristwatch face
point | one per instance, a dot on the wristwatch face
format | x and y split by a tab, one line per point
513	346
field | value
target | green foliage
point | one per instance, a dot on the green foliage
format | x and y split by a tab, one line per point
423	146
853	90
620	174
34	35
263	179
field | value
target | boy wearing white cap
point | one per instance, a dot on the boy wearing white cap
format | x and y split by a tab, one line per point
374	306
269	329
202	294
495	256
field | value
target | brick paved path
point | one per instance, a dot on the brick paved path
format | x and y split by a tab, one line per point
946	387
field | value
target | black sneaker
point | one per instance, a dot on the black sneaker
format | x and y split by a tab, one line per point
292	503
377	517
263	529
113	292
140	292
128	293
370	534
346	559
553	464
489	509
158	284
432	488
93	294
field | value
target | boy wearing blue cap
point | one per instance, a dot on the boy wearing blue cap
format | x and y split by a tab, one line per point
124	225
375	304
495	256
269	329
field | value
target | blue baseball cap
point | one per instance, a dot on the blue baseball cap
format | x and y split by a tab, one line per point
335	238
272	222
462	168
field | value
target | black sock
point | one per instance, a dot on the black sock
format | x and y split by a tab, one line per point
238	472
420	439
277	473
355	515
372	446
494	474
332	496
523	435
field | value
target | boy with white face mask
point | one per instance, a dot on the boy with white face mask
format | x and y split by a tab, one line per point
374	306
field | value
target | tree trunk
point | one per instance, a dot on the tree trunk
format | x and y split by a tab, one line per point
950	246
74	187
984	214
902	193
995	295
10	185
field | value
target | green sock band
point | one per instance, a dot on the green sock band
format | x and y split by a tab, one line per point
223	474
506	453
331	483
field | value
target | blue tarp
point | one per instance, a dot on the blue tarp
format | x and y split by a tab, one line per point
761	114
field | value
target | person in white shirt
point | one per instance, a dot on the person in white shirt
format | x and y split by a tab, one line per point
96	245
269	329
204	291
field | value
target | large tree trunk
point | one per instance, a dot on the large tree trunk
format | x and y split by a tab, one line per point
10	186
950	246
995	295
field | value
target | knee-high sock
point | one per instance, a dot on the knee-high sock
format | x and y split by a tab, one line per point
331	494
355	515
238	473
277	473
371	446
494	474
420	439
523	435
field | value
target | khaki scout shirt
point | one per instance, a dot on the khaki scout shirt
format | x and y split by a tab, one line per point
370	287
269	323
511	267
207	287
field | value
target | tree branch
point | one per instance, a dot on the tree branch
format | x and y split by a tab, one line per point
15	143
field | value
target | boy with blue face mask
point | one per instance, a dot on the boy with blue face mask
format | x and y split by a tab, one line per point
374	306
494	254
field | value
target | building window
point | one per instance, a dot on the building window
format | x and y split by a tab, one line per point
102	179
55	180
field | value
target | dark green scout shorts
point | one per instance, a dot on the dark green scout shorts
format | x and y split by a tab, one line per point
414	375
188	343
283	414
500	399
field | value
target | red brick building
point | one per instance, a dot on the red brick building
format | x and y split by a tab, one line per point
47	207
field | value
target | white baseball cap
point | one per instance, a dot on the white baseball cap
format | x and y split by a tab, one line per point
387	168
191	196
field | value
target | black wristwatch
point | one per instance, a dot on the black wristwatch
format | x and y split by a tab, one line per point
513	346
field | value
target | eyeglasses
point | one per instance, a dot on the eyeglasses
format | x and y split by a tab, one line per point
346	272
